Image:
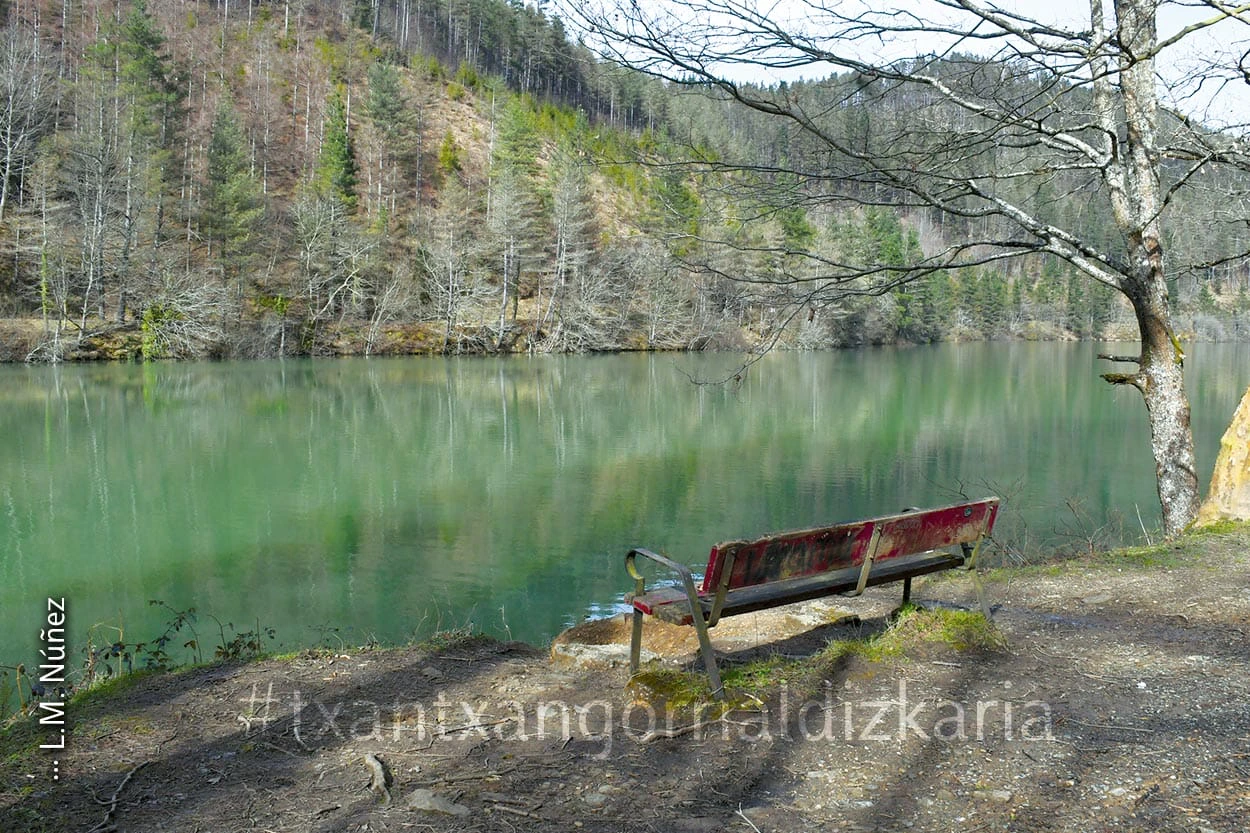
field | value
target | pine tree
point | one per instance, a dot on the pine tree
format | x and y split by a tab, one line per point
149	86
232	196
336	173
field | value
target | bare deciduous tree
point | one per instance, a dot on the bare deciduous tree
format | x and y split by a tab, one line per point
447	254
28	78
1007	120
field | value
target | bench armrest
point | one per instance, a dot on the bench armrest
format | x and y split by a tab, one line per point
683	572
681	569
696	613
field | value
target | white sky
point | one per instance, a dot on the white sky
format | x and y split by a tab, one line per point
1219	103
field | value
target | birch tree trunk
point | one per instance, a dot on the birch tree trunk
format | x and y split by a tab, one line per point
1136	197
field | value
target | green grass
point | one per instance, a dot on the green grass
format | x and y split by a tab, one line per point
1221	527
913	633
106	688
916	630
1199	547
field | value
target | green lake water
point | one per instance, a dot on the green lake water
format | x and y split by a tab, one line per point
386	498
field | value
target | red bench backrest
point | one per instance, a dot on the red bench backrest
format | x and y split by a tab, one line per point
812	551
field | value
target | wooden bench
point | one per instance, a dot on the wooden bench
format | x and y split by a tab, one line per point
744	576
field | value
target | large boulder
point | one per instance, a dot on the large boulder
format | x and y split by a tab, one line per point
1229	495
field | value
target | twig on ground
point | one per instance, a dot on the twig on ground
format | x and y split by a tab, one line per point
471	726
747	820
657	734
107	823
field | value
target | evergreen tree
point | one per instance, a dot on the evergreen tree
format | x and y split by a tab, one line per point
232	196
1077	309
150	88
387	105
336	173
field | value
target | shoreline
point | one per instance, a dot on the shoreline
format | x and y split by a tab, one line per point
1117	691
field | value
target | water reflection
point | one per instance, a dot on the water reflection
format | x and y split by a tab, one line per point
391	497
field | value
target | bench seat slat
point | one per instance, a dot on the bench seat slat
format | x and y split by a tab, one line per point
670	604
762	596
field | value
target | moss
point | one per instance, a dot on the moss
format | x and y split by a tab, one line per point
1160	556
107	688
1224	526
669	687
912	633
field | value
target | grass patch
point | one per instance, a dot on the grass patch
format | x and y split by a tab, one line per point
962	630
106	688
1198	547
1221	527
1156	557
916	630
914	633
453	638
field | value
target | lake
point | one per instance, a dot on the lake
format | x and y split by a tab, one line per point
361	499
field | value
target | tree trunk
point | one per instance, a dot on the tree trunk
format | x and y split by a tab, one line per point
1136	198
1171	439
1161	380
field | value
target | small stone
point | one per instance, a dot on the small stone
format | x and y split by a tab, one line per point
427	801
595	799
944	795
1100	598
431	673
996	796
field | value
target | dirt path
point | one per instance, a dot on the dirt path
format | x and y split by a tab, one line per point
1119	702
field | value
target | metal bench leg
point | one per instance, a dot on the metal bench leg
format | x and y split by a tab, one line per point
709	658
982	601
635	643
906	591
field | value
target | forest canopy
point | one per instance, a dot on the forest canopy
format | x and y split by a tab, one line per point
312	177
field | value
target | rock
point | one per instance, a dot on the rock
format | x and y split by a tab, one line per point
594	657
427	801
431	673
595	799
1228	497
996	796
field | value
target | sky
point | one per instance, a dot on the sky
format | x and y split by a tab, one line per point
1222	103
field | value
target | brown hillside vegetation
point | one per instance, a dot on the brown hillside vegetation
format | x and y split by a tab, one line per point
318	178
1111	697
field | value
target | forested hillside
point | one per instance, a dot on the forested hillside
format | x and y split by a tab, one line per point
317	177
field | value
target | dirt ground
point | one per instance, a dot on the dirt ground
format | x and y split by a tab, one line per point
1120	700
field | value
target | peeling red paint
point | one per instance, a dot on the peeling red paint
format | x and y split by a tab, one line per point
813	551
